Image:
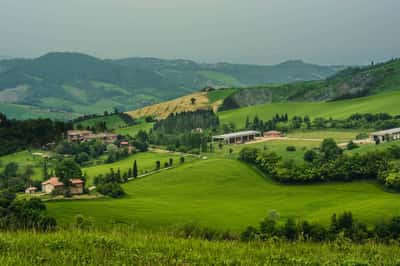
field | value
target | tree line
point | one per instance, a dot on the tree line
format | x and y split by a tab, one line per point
343	226
18	135
328	163
23	214
282	122
185	132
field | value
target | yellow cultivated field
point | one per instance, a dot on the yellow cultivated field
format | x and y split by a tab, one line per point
162	110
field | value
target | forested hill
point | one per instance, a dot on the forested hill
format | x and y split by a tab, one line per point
77	84
225	74
349	83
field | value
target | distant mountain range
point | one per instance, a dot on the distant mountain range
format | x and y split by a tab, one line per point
81	84
355	82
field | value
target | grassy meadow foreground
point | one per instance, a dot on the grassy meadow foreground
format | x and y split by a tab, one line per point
127	247
227	194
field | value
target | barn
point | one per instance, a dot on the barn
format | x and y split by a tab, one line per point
237	137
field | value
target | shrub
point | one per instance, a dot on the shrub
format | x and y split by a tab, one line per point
361	136
113	190
248	154
82	223
352	146
310	156
251	233
291	148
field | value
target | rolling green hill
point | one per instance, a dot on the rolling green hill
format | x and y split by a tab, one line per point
384	102
81	84
346	84
227	194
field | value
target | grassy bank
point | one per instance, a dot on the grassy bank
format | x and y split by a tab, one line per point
137	248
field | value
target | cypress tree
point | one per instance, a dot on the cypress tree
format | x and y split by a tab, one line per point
130	172
135	170
118	177
45	171
247	125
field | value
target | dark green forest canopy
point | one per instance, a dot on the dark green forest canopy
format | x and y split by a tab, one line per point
19	135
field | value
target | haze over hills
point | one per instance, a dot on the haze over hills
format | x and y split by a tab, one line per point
350	83
74	83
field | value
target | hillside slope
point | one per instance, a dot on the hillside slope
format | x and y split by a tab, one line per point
81	84
384	102
227	194
181	104
347	84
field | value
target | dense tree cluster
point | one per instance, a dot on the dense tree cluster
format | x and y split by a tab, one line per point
15	179
328	164
277	122
110	183
187	121
23	214
81	152
186	132
342	226
356	121
18	135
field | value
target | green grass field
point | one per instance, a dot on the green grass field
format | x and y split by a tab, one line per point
23	159
146	162
278	146
227	194
112	122
385	102
129	247
339	135
133	130
22	112
220	94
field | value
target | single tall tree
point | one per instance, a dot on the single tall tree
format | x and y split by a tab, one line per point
135	169
45	171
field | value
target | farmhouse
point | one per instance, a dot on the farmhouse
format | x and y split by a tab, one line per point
78	135
237	137
103	137
127	145
386	135
54	184
86	135
273	134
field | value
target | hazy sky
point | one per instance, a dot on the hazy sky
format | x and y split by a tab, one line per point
246	31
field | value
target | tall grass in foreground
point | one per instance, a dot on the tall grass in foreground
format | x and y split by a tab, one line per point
128	247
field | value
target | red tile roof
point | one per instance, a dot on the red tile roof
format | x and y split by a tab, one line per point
76	181
53	181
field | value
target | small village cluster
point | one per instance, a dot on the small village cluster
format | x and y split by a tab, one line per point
77	185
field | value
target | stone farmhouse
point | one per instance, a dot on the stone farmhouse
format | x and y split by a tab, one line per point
86	135
54	184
